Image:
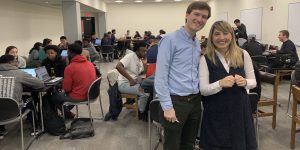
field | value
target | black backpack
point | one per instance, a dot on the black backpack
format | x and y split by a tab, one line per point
53	123
80	128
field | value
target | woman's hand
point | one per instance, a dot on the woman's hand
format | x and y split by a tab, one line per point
227	81
240	81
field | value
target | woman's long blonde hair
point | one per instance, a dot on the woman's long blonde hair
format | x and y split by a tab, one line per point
234	53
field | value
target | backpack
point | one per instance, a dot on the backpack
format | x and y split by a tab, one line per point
80	128
53	123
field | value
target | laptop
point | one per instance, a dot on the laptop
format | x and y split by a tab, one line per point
42	74
30	71
64	53
98	42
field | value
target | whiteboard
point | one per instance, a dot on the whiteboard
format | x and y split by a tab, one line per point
294	23
222	16
252	19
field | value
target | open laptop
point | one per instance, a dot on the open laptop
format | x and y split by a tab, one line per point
42	74
64	53
30	71
97	42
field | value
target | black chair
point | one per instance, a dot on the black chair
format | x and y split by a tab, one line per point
254	98
93	95
153	117
261	61
108	50
11	109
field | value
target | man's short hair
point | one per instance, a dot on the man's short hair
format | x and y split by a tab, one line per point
53	47
199	6
63	37
78	42
6	59
138	45
285	32
237	21
75	48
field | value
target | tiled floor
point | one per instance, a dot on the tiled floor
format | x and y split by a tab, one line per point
127	133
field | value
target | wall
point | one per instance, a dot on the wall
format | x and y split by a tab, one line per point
24	24
141	17
170	16
97	4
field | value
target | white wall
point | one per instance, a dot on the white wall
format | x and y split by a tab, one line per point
97	4
24	24
170	16
146	17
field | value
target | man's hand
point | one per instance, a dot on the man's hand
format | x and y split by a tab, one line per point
227	81
170	115
240	81
132	82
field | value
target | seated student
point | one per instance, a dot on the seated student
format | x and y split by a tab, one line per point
105	40
33	58
152	51
12	50
84	53
42	53
87	45
137	35
54	64
9	67
63	43
130	67
78	76
253	47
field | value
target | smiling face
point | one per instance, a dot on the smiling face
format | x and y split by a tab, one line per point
13	52
196	20
221	40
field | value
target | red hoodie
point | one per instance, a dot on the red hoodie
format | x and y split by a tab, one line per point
78	76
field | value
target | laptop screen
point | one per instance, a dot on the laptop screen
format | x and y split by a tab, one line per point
42	73
64	53
30	71
98	42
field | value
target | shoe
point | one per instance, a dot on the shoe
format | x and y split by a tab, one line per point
107	117
69	115
37	132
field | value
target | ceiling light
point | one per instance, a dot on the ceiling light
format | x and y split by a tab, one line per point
46	2
119	1
138	1
158	0
177	0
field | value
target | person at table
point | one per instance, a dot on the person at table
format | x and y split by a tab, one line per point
87	45
113	36
226	73
127	35
287	47
63	45
54	63
240	30
33	58
9	68
42	53
78	76
12	50
253	47
137	35
130	67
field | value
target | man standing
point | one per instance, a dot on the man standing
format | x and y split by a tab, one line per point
287	47
177	79
240	30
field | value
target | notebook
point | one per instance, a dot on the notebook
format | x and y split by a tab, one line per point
42	74
30	71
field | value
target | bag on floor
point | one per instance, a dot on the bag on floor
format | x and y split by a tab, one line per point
54	124
80	128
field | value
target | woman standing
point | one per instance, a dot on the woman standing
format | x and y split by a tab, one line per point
226	73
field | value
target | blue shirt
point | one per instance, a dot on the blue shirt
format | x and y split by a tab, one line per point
177	67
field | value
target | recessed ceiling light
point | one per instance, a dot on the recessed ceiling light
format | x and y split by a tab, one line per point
158	0
119	1
138	1
177	0
46	2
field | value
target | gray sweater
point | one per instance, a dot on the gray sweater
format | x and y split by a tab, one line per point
22	79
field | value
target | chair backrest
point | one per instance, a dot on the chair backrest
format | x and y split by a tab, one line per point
107	49
265	46
94	89
7	85
253	97
260	60
154	109
271	79
9	109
